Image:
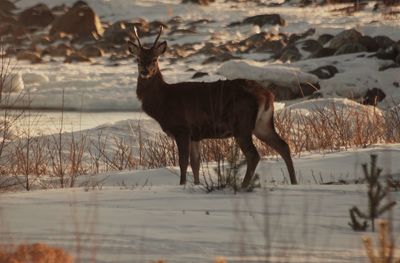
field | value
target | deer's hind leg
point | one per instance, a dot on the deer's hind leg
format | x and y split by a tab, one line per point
252	157
265	131
195	160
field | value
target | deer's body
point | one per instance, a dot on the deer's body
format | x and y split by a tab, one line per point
192	111
205	110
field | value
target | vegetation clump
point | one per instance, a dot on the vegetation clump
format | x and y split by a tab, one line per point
376	194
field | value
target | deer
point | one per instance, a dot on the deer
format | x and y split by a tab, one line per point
192	111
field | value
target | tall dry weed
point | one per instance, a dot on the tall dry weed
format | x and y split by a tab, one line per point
36	253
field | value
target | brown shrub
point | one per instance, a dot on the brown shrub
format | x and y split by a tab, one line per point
35	253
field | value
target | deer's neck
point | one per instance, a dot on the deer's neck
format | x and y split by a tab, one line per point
148	87
151	92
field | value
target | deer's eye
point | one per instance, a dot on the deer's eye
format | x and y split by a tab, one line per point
138	60
154	60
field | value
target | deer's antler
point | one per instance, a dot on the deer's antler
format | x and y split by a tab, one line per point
159	34
137	36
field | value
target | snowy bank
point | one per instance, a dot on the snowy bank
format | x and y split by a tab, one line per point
141	216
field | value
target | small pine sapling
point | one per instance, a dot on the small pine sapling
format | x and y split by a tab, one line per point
355	224
376	193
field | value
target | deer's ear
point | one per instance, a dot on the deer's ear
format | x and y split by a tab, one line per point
133	48
161	48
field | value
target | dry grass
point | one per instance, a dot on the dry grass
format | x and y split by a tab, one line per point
64	157
36	253
333	128
220	260
385	248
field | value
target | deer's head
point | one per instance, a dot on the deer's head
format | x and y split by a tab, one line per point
147	58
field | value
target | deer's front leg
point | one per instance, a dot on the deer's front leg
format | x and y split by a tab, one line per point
195	160
183	143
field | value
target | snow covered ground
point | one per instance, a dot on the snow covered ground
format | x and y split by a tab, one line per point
138	216
103	86
143	215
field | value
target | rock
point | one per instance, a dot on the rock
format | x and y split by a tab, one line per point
388	66
175	21
282	92
323	52
199	2
91	51
255	39
38	15
6	18
271	45
117	57
290	53
369	43
19	31
6	29
384	42
154	26
324	38
209	49
261	20
350	48
286	82
80	21
262	42
310	45
290	93
295	37
10	51
31	56
202	21
7	7
62	50
60	9
388	52
79	3
76	57
108	47
304	3
12	82
225	56
182	31
199	75
396	47
308	89
40	40
118	33
373	96
34	78
60	36
325	72
345	37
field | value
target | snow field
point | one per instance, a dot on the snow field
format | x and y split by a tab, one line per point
143	215
138	216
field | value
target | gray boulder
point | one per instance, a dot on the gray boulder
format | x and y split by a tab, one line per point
350	48
345	37
38	15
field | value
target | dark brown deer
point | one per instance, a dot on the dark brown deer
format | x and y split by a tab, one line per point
192	111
